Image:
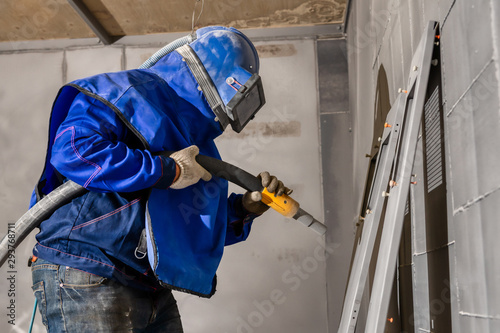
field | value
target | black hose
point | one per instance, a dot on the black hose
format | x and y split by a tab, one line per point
230	173
38	213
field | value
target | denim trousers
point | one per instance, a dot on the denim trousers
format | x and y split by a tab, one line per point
71	300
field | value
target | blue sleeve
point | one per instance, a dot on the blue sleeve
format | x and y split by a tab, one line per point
239	220
90	149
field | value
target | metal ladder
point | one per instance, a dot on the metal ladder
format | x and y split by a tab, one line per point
391	184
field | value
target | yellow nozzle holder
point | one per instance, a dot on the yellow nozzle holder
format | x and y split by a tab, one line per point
283	204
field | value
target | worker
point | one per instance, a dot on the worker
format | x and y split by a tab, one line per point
152	221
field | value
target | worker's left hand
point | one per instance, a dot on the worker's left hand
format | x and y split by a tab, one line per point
252	200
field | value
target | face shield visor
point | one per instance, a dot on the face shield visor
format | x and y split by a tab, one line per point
225	65
248	99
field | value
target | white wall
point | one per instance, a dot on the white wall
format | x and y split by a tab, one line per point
29	83
274	282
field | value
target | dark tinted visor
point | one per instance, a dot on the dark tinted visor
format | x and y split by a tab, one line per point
248	100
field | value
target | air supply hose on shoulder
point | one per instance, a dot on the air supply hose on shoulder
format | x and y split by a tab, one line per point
167	49
70	190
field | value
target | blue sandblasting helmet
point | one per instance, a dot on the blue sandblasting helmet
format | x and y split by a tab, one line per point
225	64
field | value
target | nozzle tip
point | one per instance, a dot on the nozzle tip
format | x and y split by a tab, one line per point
319	227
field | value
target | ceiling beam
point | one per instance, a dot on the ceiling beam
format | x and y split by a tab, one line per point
92	22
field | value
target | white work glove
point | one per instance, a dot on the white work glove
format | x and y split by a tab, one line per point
191	171
252	200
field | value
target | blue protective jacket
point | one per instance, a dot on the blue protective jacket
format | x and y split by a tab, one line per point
106	133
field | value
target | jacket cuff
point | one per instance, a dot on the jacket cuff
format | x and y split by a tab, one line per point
167	173
241	211
245	217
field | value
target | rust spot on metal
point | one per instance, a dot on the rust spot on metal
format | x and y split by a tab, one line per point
276	50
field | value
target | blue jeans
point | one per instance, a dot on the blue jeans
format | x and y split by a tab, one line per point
71	300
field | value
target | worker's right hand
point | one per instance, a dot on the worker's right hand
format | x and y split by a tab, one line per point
190	170
252	200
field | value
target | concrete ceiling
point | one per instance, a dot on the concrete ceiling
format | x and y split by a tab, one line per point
22	20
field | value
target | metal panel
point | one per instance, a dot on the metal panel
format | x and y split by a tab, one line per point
486	122
405	29
462	158
435	196
389	243
478	266
335	127
332	76
416	23
384	58
470	40
431	10
405	276
453	295
360	53
470	249
379	23
466	46
491	230
337	193
474	324
475	131
397	55
420	266
413	104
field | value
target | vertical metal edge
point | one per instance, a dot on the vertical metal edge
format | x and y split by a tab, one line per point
454	293
419	260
